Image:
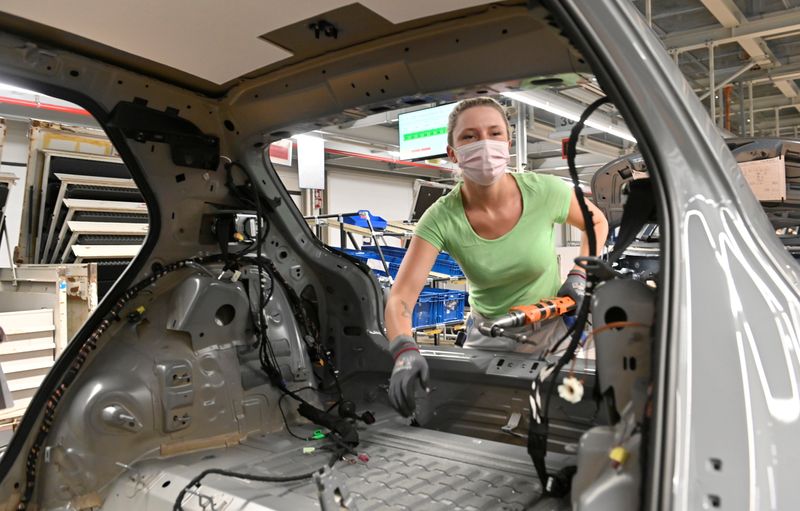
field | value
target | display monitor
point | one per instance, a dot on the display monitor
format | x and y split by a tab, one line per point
425	194
423	133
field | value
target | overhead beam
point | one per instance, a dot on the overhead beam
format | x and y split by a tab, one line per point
757	76
772	102
768	25
541	131
786	122
748	34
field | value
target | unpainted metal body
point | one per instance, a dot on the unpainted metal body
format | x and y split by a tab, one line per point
720	259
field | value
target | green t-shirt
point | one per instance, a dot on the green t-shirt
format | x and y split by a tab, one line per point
520	267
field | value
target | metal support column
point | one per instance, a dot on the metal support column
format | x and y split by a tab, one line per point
750	116
742	123
711	84
522	136
777	122
648	12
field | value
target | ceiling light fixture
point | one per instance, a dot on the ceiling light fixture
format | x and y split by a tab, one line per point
571	110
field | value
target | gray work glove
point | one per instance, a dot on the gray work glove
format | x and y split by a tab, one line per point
574	287
409	367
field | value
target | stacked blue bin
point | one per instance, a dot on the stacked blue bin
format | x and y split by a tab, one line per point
444	264
434	306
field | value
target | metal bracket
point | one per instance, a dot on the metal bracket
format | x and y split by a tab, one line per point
513	422
333	495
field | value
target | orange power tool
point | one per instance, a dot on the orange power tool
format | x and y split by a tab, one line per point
528	314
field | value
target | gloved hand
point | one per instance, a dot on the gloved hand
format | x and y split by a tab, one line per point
409	366
574	287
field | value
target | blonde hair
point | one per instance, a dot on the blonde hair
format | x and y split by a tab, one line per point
471	103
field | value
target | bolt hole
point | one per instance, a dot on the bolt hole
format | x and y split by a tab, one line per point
383	91
386	77
147	86
255	96
324	71
119	82
632	363
352	85
16	486
132	424
283	254
49	68
458	41
406	49
166	483
188	107
504	31
229	125
74	73
715	464
180	178
367	94
713	501
202	334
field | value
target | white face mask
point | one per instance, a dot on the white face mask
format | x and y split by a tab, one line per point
484	161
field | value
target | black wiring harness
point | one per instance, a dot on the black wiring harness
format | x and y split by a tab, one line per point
558	485
343	433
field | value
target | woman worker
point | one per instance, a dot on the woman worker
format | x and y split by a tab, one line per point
499	228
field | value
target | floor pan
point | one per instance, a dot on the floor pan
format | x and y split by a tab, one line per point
408	469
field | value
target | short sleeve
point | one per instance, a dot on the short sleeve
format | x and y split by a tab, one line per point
559	197
430	227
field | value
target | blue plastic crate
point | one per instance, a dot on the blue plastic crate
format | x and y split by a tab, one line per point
365	255
448	267
444	262
378	223
453	302
428	310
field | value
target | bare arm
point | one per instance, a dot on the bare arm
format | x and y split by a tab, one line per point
411	278
575	218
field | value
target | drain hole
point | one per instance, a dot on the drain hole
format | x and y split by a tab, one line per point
225	314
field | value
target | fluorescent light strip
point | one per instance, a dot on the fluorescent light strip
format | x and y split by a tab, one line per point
564	108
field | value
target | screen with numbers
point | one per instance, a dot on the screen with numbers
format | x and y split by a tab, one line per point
423	133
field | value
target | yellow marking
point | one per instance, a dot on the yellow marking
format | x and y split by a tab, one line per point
618	454
104	145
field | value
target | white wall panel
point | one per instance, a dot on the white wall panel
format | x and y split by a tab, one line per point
385	195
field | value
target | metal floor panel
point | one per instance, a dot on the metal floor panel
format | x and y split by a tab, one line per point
408	469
